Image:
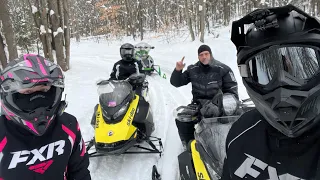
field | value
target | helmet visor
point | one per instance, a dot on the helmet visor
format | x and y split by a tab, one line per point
298	62
127	51
12	86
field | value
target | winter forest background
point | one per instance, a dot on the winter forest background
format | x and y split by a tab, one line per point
46	26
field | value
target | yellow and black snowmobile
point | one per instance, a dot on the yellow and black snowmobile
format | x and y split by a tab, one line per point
123	120
203	157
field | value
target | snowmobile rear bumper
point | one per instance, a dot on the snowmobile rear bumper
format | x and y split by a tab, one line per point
105	150
115	148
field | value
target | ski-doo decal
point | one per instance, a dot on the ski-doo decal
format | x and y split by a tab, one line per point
201	171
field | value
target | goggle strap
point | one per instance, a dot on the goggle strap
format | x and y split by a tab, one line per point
243	70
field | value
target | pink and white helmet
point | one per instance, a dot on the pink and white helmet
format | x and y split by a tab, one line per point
28	72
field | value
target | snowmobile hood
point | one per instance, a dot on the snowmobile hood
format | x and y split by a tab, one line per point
114	98
122	131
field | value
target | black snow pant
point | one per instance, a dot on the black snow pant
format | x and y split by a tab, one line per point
138	90
186	131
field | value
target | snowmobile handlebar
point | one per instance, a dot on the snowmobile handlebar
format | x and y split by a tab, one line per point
136	79
192	112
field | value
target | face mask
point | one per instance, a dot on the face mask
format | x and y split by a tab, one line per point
30	102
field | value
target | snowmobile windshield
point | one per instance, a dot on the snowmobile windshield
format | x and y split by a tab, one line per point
114	98
142	49
143	46
212	134
292	65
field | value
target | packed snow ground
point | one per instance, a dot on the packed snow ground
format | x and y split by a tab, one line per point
91	61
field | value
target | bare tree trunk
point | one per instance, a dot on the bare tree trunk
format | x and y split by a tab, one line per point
226	11
207	18
61	15
312	7
197	20
57	34
130	19
3	57
318	8
66	6
41	22
48	37
202	10
140	15
8	29
189	22
74	22
154	15
257	3
126	23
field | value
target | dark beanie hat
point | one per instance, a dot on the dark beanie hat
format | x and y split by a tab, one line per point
204	48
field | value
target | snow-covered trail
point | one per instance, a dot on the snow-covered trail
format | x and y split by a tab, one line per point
92	61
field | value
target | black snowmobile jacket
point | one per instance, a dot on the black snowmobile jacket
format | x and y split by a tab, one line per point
206	80
256	150
59	154
123	69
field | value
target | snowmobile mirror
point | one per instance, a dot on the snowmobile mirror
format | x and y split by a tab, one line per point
102	82
230	104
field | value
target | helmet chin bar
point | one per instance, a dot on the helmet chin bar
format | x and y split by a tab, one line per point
289	111
41	118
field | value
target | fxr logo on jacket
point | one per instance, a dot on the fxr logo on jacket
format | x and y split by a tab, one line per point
246	168
55	148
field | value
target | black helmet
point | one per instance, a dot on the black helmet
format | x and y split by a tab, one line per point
127	52
278	59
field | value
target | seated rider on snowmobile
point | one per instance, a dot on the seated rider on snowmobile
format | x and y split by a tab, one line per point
127	66
278	59
123	69
142	54
208	76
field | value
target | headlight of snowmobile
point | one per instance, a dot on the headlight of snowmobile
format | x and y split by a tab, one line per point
121	111
106	115
230	104
111	146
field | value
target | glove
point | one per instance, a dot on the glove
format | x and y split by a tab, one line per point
209	110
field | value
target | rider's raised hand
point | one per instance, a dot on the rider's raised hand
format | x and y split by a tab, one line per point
180	65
